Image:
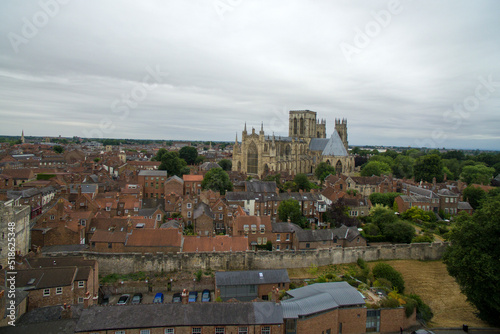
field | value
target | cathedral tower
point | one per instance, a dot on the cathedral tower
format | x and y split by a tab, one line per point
341	127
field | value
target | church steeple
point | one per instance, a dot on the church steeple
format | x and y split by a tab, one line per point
245	130
22	137
261	128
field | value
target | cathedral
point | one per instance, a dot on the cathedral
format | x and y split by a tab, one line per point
301	152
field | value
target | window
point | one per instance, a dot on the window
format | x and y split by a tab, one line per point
265	330
308	245
288	237
219	330
188	205
277	247
52	217
145	331
262	228
136	209
189	214
278	237
169	331
242	330
221	216
83	222
158	216
196	330
46	292
110	245
220	208
108	208
59	291
80	300
126	210
81	284
120	332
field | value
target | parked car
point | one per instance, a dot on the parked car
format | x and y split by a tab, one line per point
193	296
205	296
158	298
176	298
137	298
123	300
105	300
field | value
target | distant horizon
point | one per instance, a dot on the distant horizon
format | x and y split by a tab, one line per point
239	140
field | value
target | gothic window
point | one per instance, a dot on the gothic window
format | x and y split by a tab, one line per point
239	166
266	148
252	159
302	126
288	150
294	126
338	167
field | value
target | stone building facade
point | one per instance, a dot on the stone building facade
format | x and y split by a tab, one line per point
301	152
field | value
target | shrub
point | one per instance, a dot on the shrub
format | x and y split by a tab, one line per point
313	269
198	275
292	286
383	283
424	312
361	263
410	306
384	270
422	238
389	303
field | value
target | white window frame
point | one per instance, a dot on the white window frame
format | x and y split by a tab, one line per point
46	292
81	284
120	332
196	330
265	330
145	331
278	237
169	331
80	300
220	330
59	288
188	205
242	330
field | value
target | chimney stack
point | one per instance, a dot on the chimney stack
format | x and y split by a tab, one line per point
184	296
86	300
276	295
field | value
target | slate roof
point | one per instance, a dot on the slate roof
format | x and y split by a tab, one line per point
320	297
86	188
283	227
343	232
45	277
260	186
251	277
153	173
171	315
446	192
415	198
201	209
175	178
464	206
239	196
209	165
422	192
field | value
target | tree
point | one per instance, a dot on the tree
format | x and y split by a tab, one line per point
474	195
323	170
58	149
174	165
473	257
159	154
386	199
428	167
97	159
290	209
338	214
399	232
226	164
403	166
217	179
302	182
375	168
384	270
382	215
479	174
199	160
189	154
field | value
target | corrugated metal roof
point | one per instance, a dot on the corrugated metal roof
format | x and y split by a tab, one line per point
320	297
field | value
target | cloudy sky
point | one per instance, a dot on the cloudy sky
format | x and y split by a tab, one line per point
407	73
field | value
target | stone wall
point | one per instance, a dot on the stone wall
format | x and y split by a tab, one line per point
124	263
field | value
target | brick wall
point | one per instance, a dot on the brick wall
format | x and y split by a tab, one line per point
275	329
319	323
36	298
353	320
393	319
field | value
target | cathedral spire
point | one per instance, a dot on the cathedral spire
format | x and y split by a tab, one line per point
22	137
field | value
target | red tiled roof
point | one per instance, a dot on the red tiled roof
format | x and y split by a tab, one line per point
109	236
192	178
155	237
219	243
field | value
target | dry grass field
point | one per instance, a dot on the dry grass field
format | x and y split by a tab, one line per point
429	280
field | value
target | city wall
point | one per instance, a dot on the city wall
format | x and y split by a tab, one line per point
124	263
